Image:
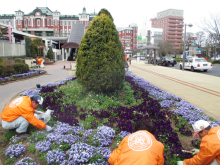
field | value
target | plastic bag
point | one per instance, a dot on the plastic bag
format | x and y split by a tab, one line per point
45	117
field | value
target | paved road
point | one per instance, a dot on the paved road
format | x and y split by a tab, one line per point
215	71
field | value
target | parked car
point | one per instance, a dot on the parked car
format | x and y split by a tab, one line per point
135	56
152	60
215	58
166	61
196	64
142	57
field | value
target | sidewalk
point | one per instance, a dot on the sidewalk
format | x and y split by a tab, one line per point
55	73
201	90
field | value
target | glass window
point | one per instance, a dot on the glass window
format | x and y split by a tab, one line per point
51	22
55	22
65	23
38	22
61	31
65	31
19	22
86	23
61	23
29	22
56	31
69	23
25	22
48	23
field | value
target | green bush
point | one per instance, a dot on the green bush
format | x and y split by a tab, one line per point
216	61
100	61
20	67
19	60
1	60
2	69
50	53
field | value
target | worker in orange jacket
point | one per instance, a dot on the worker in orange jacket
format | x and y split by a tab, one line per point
209	152
139	148
20	112
39	61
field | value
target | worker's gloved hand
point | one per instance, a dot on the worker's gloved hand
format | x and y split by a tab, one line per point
195	151
38	112
48	128
179	162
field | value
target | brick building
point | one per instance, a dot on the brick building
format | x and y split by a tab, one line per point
169	21
129	37
44	22
54	26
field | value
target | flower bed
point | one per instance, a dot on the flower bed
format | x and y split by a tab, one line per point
85	135
15	77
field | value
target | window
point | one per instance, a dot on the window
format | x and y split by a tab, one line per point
25	22
65	23
61	23
48	23
51	22
65	31
38	22
61	31
69	23
56	22
19	22
56	31
86	23
29	22
11	22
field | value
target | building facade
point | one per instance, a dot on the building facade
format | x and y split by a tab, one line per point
53	26
169	21
44	22
129	37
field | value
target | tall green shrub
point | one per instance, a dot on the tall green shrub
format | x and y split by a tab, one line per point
100	60
28	46
50	53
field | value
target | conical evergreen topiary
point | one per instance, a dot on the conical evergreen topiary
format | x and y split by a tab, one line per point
100	61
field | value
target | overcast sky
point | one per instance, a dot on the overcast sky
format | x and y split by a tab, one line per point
124	12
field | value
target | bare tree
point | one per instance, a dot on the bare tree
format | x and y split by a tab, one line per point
165	48
200	38
212	27
189	39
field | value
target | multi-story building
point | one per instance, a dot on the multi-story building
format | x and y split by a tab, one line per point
129	37
44	22
169	21
54	26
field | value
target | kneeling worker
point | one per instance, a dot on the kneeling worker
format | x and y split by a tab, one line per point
20	112
209	152
141	147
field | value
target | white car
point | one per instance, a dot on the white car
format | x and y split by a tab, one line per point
196	64
142	57
215	58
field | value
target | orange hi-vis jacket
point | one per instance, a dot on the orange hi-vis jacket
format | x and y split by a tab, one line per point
139	148
39	61
209	149
22	107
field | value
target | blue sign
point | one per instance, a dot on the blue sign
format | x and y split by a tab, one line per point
198	51
145	50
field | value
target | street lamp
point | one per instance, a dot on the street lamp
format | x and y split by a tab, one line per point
181	25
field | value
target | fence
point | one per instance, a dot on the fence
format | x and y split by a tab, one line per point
11	50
